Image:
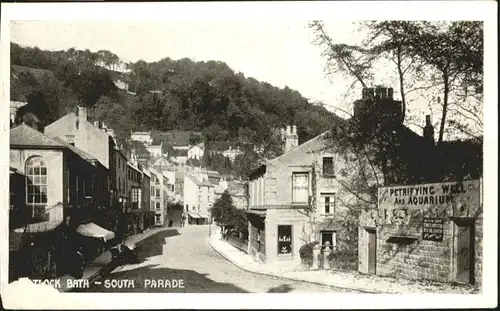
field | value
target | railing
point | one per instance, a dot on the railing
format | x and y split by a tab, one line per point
242	245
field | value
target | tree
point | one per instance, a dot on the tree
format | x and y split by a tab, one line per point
438	58
456	53
223	212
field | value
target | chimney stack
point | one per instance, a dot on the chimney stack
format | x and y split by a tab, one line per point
380	92
291	138
428	130
82	113
390	93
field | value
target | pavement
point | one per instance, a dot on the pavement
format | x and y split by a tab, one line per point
347	280
100	266
182	255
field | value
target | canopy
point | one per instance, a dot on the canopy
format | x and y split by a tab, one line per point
94	231
194	215
203	215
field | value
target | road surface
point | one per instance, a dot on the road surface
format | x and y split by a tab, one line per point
188	264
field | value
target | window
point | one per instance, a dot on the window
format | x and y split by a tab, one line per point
285	240
172	188
328	166
330	237
328	202
158	193
157	219
36	181
135	195
158	206
152	190
300	187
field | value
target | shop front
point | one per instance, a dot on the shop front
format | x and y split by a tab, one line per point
276	235
428	231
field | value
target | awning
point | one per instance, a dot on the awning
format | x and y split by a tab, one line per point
203	215
39	227
194	215
94	231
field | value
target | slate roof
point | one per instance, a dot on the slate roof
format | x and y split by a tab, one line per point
81	153
26	136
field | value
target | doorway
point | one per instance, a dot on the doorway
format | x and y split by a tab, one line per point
372	251
465	248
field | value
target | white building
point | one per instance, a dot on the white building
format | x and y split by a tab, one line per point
144	137
196	152
199	197
154	150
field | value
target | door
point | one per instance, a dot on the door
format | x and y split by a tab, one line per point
372	251
465	252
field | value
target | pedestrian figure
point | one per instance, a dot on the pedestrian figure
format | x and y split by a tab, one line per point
78	264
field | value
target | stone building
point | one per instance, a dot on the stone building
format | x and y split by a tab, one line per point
425	231
60	182
316	190
280	213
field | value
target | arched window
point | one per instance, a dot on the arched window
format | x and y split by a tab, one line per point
36	182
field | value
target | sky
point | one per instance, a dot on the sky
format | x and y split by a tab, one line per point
281	52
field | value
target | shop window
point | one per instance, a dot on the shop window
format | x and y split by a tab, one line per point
328	166
300	187
284	240
328	203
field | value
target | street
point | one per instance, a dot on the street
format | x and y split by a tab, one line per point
191	265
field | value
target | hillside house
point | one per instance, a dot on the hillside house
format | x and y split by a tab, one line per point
144	137
196	152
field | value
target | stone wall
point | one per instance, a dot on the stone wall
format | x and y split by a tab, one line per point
401	250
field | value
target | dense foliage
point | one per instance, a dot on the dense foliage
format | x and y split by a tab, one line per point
166	95
227	216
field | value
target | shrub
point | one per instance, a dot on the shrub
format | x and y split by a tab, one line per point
344	260
306	252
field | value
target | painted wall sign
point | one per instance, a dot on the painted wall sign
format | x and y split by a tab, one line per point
457	198
284	240
432	229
